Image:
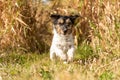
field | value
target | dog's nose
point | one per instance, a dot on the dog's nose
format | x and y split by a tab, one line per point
65	32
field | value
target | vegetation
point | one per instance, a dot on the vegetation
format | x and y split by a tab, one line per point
26	34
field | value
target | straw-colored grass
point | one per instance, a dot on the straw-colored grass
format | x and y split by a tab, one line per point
39	67
26	29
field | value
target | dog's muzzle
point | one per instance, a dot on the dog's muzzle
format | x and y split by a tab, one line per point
65	32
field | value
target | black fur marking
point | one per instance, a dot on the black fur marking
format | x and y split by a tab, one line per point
65	23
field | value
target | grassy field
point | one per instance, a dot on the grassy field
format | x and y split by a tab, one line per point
39	67
26	35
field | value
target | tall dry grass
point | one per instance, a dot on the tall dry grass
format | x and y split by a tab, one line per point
25	25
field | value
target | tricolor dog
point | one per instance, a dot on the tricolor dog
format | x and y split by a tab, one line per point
63	39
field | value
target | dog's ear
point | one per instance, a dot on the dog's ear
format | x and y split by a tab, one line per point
73	18
54	17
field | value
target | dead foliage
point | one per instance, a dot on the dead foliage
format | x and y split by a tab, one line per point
25	25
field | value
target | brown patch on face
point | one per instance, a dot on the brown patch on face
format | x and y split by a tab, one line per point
64	26
70	30
68	21
58	29
60	21
74	31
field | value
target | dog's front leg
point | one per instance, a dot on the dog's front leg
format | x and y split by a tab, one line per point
70	54
52	53
61	54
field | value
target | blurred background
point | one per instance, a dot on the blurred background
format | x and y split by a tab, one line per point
25	25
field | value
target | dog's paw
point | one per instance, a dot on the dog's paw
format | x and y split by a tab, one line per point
65	62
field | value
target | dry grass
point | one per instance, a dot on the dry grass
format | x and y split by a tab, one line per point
39	67
25	26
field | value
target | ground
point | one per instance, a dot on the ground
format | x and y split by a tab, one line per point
32	66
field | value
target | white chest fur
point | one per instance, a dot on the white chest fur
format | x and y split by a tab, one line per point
62	46
64	41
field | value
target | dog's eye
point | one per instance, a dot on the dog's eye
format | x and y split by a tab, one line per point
60	23
68	25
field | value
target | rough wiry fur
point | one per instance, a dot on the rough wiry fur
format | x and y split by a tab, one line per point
63	40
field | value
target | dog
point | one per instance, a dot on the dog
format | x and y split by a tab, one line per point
63	40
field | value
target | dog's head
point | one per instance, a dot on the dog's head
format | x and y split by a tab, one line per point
63	24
